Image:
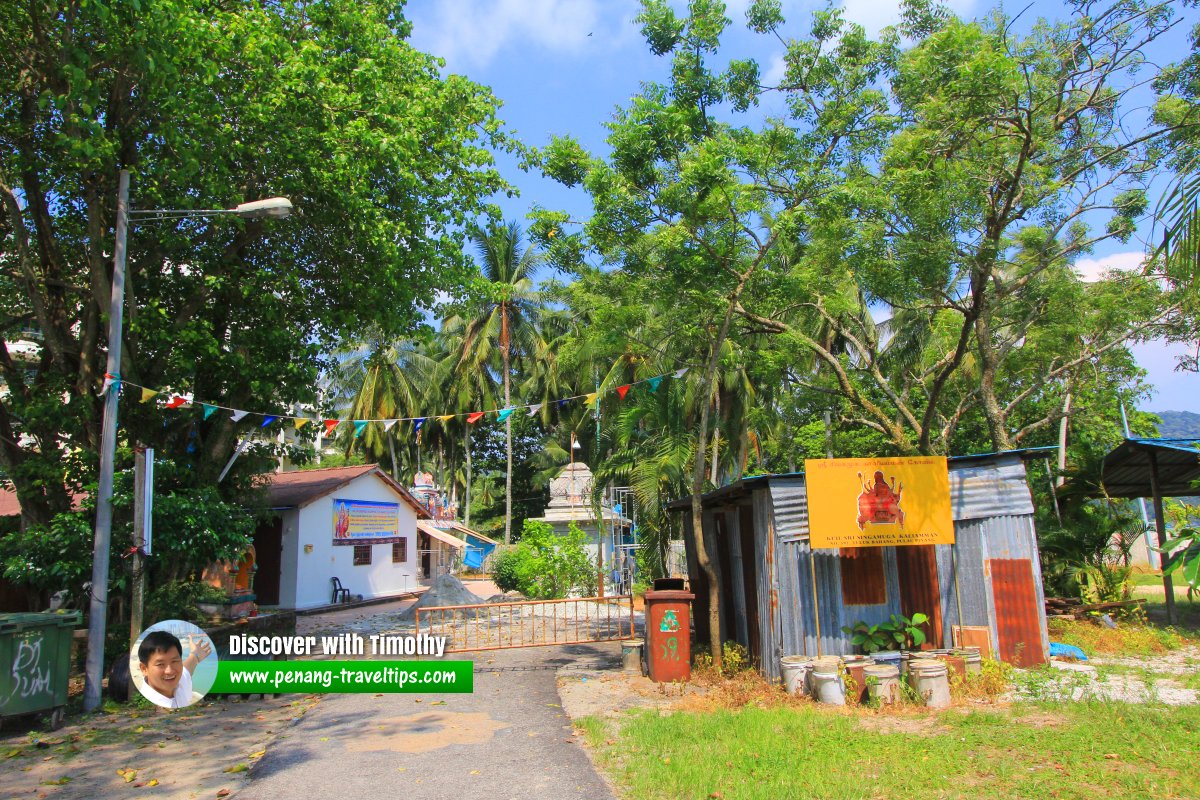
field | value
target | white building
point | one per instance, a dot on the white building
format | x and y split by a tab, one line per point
354	524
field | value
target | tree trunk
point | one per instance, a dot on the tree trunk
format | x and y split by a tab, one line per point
467	490
505	348
712	474
391	440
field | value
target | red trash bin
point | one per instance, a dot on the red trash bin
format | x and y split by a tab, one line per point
669	635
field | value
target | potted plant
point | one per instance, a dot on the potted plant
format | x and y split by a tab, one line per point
896	633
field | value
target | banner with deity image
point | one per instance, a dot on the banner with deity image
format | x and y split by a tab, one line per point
365	522
878	502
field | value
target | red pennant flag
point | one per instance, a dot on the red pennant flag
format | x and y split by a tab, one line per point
330	424
474	417
622	391
176	401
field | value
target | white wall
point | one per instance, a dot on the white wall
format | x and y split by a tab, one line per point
313	570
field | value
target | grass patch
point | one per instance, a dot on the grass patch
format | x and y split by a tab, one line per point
1127	639
1031	750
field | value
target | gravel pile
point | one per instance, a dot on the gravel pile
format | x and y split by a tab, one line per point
447	590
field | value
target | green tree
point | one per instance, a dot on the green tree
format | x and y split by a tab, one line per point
209	106
383	380
503	324
698	207
961	221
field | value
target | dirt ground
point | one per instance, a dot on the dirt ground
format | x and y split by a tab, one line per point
200	752
609	693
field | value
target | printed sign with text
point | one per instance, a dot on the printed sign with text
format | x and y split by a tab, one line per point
878	502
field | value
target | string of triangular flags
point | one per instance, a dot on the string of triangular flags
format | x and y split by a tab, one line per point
175	400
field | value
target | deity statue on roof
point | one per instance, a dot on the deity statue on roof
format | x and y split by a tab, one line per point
423	478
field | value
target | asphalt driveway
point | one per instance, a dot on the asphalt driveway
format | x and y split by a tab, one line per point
509	740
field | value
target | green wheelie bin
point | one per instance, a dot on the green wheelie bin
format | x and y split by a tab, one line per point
35	664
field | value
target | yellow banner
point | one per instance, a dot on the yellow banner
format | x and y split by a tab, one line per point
878	502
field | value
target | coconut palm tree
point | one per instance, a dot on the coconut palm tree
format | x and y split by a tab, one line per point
381	379
505	324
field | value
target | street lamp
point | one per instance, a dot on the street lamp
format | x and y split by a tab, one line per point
273	208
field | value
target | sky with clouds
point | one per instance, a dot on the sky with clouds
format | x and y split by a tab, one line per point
562	66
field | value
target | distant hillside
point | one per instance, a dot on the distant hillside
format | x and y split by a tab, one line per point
1179	424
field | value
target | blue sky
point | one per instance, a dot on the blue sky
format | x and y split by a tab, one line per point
562	66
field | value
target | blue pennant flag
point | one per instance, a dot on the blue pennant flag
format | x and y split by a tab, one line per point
268	420
418	422
654	382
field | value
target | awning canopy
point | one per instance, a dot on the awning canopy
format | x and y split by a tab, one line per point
1126	471
440	535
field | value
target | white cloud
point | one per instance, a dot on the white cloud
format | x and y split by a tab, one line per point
472	33
775	72
1091	270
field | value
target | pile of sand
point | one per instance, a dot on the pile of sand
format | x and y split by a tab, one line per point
447	590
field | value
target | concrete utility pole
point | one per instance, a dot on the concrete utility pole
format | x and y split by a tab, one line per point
273	208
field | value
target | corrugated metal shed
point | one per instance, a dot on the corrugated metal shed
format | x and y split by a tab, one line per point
993	513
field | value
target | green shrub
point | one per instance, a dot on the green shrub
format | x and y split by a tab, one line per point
180	600
544	565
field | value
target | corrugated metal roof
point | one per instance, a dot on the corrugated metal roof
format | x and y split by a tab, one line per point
979	490
1126	469
440	535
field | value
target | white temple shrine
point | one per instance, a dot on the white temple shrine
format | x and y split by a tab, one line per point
571	501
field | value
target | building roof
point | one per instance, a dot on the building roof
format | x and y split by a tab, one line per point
436	533
743	486
10	506
465	531
299	488
1126	469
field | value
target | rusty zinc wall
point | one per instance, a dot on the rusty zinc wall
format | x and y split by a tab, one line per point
781	522
993	519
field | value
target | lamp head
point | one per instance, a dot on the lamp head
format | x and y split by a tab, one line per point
271	208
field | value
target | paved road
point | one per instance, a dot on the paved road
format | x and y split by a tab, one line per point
509	740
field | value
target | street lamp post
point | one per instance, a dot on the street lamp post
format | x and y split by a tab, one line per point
274	208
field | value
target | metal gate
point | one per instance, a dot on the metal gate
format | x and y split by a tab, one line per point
529	623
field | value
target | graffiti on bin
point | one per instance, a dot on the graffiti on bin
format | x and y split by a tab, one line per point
30	670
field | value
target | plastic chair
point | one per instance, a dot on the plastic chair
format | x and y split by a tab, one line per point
340	593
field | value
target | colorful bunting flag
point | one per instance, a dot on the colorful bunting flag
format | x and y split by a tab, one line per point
175	401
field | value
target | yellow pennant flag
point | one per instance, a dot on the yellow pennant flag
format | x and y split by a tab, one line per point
591	398
445	417
147	394
301	422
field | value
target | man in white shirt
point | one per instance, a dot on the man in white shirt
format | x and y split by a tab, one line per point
167	675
